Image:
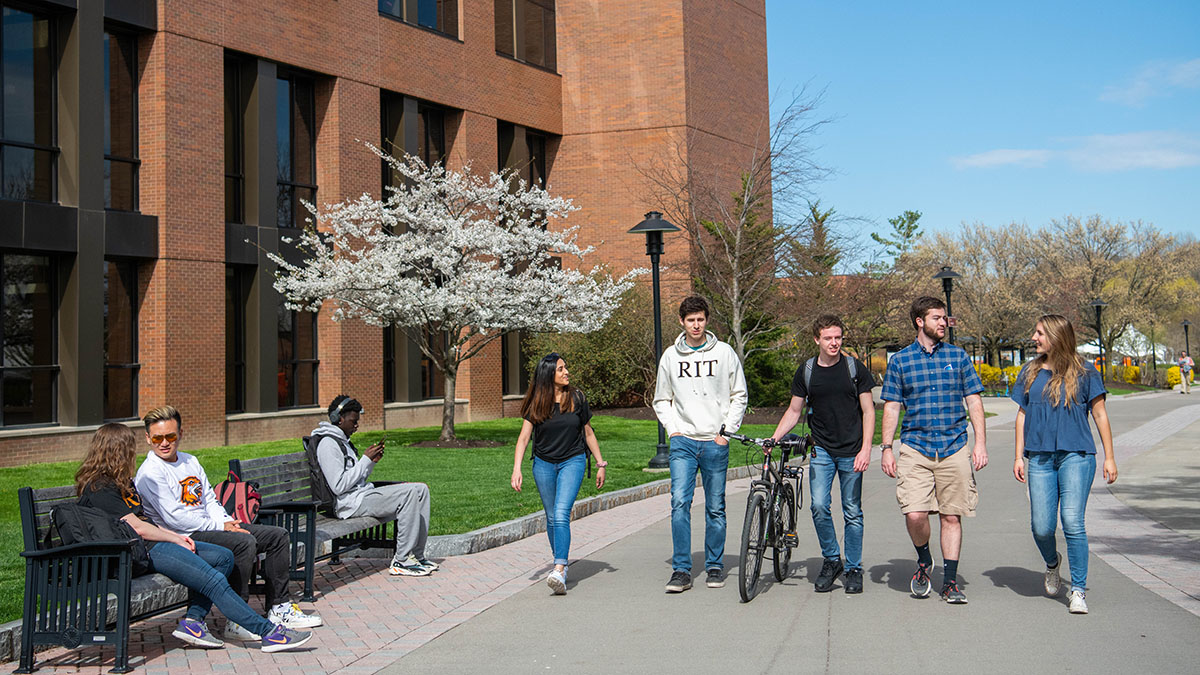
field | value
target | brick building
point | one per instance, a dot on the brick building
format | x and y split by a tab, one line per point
151	153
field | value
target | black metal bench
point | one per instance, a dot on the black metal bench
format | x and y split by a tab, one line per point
82	594
285	484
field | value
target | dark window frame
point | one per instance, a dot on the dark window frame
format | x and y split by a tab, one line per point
53	149
517	49
55	368
290	183
401	13
241	280
389	364
110	158
233	68
130	267
292	366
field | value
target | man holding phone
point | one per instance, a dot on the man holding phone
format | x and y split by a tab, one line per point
346	474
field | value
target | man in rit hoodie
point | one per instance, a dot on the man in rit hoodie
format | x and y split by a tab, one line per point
346	474
700	388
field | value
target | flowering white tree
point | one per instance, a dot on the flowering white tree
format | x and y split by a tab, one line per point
454	260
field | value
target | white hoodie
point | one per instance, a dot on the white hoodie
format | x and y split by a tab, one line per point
698	390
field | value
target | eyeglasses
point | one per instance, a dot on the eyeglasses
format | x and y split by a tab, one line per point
170	438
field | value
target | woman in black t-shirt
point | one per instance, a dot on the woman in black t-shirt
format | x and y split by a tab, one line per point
105	482
558	418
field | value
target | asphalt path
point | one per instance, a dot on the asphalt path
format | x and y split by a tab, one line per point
617	618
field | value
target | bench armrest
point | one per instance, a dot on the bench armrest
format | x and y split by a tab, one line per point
114	547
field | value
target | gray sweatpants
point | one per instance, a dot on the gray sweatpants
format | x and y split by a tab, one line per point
409	502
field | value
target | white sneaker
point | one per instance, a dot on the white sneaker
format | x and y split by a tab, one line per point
557	581
1052	581
290	616
1078	604
237	633
409	567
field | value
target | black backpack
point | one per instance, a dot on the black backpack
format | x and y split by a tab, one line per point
320	487
78	524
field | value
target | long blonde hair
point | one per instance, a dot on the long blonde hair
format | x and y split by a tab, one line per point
109	458
1066	366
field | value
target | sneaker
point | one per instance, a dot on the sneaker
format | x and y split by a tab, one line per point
854	582
715	578
920	585
680	582
831	569
1053	582
557	582
291	616
194	632
1078	604
426	562
952	595
281	638
237	633
409	568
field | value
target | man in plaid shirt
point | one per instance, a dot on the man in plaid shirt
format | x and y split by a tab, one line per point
930	379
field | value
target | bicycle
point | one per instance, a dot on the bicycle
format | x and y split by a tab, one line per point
771	510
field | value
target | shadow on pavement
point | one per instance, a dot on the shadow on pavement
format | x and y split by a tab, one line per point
1022	581
897	573
584	569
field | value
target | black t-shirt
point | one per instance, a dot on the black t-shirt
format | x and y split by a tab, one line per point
836	413
107	497
560	436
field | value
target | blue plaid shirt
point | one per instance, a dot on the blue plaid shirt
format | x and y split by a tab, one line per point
931	385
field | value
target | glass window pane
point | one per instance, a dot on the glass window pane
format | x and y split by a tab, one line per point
28	396
284	211
448	17
120	393
303	135
233	200
535	45
29	309
551	46
391	7
120	96
236	290
287	356
389	364
26	174
120	313
283	128
504	27
28	91
427	13
120	179
234	124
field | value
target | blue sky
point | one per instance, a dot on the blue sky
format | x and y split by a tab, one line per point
1000	112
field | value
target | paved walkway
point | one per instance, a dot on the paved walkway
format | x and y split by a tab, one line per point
616	613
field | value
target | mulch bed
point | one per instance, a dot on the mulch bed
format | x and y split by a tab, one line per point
460	443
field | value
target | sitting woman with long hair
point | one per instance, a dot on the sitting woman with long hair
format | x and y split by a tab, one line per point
105	482
558	418
1055	452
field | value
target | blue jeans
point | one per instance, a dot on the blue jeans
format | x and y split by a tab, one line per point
558	484
1060	482
712	459
822	468
207	583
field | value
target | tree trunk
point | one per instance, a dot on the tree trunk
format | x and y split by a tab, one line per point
448	406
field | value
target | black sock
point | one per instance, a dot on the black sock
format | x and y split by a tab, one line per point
950	572
923	555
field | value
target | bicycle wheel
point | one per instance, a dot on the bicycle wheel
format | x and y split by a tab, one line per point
784	522
753	543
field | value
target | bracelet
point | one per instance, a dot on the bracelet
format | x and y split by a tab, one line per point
601	465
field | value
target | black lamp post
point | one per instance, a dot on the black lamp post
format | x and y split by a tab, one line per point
948	276
1186	346
654	226
1099	305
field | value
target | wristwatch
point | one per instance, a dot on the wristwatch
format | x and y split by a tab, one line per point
886	446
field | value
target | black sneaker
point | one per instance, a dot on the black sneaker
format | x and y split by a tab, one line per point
680	582
920	585
952	595
853	581
830	571
716	578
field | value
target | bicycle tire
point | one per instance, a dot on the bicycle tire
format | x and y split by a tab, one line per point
784	522
753	545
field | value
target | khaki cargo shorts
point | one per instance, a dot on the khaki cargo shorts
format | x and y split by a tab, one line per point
944	485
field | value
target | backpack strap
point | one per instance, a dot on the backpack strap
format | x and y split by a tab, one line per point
850	364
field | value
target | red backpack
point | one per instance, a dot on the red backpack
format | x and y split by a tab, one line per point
240	499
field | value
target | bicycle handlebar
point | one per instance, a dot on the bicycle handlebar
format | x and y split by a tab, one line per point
762	442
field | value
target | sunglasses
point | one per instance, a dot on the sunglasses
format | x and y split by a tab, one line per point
170	438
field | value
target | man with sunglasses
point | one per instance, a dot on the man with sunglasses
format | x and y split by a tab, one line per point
176	495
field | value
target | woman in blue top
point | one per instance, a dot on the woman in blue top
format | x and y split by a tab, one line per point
558	418
1055	452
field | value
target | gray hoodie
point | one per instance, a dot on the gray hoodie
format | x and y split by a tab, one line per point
698	390
345	472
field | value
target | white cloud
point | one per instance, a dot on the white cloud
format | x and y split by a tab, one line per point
1157	78
1102	153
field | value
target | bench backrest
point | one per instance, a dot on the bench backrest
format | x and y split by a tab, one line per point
280	478
35	508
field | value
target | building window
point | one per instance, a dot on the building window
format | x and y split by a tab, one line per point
297	376
120	122
120	340
431	134
525	31
296	149
29	356
389	364
535	171
28	150
514	363
433	385
436	15
237	297
527	158
235	142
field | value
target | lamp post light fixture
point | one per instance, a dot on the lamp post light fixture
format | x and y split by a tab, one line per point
948	276
654	226
1099	305
1186	346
